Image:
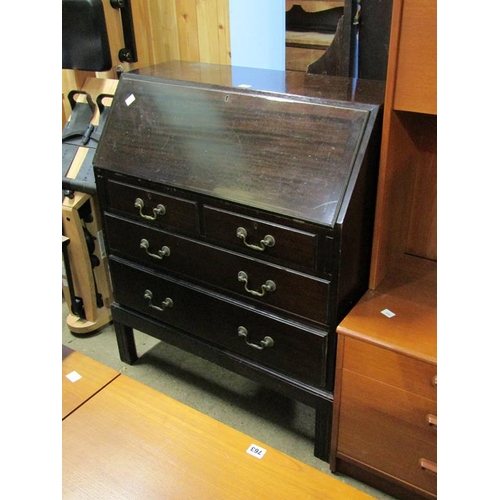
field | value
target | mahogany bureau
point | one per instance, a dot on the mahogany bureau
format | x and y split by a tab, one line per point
238	211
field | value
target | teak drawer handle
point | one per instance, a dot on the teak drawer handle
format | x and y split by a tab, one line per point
166	304
265	342
267	242
428	465
268	286
164	252
432	420
159	210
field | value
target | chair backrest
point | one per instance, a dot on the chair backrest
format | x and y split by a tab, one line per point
85	44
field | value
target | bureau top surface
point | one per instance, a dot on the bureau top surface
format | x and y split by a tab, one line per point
291	154
355	90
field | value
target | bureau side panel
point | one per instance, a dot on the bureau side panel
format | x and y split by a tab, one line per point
337	401
354	229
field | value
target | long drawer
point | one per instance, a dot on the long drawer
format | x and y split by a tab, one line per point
392	368
264	338
297	293
389	429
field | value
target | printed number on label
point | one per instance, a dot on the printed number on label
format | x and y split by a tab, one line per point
256	451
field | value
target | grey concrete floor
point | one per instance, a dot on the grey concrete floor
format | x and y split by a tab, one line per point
260	413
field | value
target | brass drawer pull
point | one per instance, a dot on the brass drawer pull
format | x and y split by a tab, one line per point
432	420
265	342
434	381
428	465
166	304
267	242
164	252
268	286
159	210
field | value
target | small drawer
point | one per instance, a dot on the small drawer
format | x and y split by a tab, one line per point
153	207
388	429
260	238
261	282
390	367
264	338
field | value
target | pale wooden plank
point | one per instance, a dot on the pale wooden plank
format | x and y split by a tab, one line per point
130	441
223	27
208	36
310	38
94	376
165	33
187	24
83	283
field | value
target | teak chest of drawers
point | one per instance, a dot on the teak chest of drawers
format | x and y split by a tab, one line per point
238	221
385	418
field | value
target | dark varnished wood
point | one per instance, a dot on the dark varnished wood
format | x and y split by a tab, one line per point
290	245
132	281
276	153
297	160
297	293
180	214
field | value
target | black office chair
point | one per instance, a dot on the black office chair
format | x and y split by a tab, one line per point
85	44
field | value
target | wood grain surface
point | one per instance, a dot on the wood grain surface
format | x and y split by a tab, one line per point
129	441
93	377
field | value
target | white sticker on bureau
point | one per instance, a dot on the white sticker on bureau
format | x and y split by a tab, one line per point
130	99
256	451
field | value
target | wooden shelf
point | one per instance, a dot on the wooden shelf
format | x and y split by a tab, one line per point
406	217
304	48
309	39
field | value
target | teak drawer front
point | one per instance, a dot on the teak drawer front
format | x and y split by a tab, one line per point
178	214
218	320
289	245
388	429
391	368
297	293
